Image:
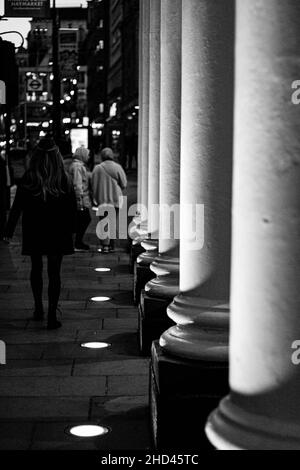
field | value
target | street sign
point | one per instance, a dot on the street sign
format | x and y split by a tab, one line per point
27	8
35	84
2	92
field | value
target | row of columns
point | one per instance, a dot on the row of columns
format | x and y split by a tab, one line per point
188	127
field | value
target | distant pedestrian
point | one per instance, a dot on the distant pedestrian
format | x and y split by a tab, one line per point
108	183
81	179
47	202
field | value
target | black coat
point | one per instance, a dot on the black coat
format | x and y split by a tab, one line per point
47	226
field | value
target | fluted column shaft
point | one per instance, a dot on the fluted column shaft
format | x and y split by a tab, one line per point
145	71
140	122
263	410
166	266
154	118
206	180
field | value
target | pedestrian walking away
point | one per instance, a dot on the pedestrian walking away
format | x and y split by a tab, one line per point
46	200
108	183
81	179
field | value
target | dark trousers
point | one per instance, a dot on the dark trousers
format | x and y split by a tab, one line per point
54	286
83	221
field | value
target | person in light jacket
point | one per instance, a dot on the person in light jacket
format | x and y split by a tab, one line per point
108	183
81	182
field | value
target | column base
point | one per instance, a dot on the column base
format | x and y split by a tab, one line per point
202	330
166	284
182	395
142	271
153	321
142	275
231	427
135	251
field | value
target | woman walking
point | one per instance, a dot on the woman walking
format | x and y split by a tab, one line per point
47	202
108	182
81	182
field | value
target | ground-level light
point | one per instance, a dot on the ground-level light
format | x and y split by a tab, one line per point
95	345
101	299
89	430
103	270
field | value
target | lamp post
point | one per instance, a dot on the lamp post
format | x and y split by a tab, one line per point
56	116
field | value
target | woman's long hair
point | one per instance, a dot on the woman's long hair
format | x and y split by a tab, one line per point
46	173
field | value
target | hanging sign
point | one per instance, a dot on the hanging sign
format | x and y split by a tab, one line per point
27	8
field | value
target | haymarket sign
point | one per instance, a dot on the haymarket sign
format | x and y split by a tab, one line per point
27	8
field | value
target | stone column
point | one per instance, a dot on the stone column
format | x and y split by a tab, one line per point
160	291
189	366
139	227
166	266
201	310
263	409
145	6
143	273
144	84
141	107
154	118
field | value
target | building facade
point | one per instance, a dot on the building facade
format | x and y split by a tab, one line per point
130	84
97	49
34	114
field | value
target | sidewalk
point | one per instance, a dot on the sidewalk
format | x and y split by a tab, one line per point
50	382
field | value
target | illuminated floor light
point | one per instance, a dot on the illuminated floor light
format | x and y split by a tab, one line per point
88	430
100	299
96	345
103	270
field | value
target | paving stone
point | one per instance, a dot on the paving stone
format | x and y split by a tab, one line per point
122	299
127	313
70	327
16	436
125	348
36	368
13	325
118	368
41	335
126	324
55	436
8	304
49	408
52	386
128	419
50	381
19	314
114	336
24	351
129	385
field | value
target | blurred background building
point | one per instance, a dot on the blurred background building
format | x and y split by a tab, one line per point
98	60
